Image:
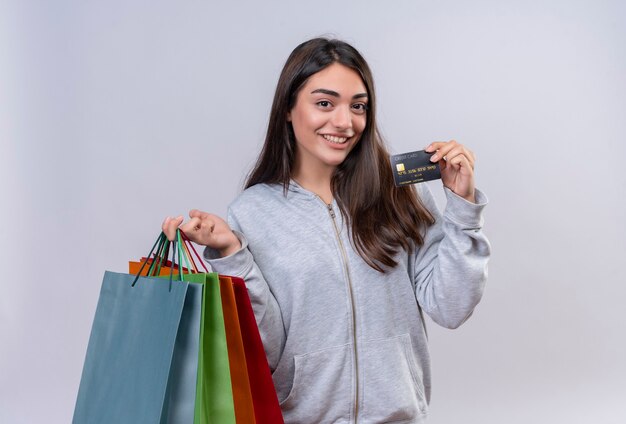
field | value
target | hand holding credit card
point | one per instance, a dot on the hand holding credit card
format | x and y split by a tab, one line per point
414	167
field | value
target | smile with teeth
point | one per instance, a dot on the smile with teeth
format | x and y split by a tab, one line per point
335	140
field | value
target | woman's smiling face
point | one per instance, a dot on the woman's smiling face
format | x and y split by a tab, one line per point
328	118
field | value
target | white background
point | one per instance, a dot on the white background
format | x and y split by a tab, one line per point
114	114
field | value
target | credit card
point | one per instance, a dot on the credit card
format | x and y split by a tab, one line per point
414	167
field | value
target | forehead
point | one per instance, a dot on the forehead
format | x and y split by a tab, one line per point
336	77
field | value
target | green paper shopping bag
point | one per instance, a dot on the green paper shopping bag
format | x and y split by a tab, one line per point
214	397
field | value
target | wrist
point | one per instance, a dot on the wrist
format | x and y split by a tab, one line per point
231	248
469	197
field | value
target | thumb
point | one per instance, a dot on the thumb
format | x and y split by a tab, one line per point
170	225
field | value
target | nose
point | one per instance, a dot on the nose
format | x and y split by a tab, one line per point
342	118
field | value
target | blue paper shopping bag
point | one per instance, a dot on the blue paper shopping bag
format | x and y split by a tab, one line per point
142	358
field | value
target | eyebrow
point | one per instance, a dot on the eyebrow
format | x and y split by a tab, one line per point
335	94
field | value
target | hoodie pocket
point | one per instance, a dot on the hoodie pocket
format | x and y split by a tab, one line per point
322	387
392	385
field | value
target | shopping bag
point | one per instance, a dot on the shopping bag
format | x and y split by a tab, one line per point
225	377
251	379
214	398
265	401
142	352
214	401
135	267
180	398
249	370
242	395
239	380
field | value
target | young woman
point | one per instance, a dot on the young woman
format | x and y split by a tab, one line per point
340	263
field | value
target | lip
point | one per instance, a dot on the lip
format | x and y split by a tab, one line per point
338	135
336	146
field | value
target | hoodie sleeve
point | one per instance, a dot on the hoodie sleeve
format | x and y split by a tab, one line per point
266	310
450	268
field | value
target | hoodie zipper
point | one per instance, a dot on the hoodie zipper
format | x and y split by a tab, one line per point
352	309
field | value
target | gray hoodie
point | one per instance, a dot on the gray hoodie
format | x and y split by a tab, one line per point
345	342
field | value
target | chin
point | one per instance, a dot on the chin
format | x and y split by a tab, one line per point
335	161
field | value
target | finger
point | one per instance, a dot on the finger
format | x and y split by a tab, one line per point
471	158
434	146
194	225
462	162
190	226
200	230
442	148
448	150
459	150
195	213
209	223
170	225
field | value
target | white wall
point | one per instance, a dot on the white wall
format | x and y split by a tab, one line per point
115	114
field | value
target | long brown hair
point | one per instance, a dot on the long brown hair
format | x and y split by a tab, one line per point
382	217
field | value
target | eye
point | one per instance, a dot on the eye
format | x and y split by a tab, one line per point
324	103
359	108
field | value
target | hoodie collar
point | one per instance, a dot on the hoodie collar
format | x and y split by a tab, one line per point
297	191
